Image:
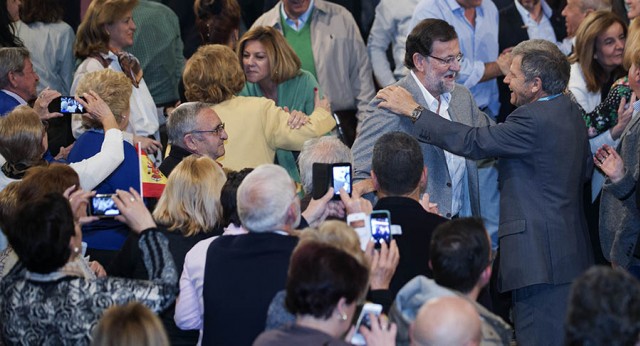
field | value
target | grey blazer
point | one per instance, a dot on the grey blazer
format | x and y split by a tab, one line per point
619	215
544	161
378	121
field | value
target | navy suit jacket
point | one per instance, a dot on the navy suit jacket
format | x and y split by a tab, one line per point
544	162
7	103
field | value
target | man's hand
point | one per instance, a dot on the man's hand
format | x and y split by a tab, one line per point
611	164
317	210
504	61
397	99
354	203
150	146
428	206
383	264
363	187
323	103
64	152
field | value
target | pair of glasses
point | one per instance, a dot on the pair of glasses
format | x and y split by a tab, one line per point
215	131
448	60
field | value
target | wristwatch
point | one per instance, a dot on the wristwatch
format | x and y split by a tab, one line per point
416	113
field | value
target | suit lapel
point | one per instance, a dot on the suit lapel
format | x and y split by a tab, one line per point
631	124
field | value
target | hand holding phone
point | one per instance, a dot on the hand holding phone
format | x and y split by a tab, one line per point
66	105
380	223
336	175
364	320
103	206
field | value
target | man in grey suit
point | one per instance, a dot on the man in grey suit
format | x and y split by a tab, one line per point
544	161
453	180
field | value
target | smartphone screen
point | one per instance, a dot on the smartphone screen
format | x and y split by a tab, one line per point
103	206
66	105
341	178
364	320
380	221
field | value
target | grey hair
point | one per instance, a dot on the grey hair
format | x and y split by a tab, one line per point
264	198
543	59
327	149
595	5
183	120
11	60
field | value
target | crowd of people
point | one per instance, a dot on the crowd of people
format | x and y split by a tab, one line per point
500	138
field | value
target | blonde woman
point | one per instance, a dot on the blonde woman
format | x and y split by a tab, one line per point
188	211
256	126
129	325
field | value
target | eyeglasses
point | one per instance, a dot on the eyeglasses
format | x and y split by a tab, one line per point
215	131
448	60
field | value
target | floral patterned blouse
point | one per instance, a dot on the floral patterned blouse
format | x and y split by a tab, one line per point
61	308
605	115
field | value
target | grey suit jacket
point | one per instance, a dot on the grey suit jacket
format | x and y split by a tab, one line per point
619	215
544	161
378	121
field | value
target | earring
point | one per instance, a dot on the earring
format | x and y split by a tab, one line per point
76	250
343	316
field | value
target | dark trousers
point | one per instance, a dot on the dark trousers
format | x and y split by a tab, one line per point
538	314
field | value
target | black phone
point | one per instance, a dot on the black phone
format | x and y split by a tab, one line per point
380	222
336	175
103	206
66	105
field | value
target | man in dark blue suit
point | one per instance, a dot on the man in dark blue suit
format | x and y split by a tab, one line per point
544	161
18	80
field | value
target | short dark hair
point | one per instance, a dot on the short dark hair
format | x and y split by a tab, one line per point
421	38
321	274
397	163
604	308
228	197
45	228
460	251
543	59
46	11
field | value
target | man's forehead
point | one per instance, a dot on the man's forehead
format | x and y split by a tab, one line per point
209	115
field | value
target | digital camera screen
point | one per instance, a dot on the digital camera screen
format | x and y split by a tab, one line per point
103	205
380	229
69	105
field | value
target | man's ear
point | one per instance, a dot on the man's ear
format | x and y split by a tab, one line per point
419	61
374	181
12	78
536	85
636	75
485	276
423	177
190	143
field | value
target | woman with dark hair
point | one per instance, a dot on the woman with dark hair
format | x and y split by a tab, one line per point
218	21
272	70
323	288
48	305
9	14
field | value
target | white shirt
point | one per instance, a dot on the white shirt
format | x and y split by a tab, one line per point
456	165
535	30
17	97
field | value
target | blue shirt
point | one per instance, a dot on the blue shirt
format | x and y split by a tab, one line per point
478	44
301	20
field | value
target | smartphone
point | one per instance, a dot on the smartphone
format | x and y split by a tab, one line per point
103	206
66	105
341	178
380	222
336	175
364	320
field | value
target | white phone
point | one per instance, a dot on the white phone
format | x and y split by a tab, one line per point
363	319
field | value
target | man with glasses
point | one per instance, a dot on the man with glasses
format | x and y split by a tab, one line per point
545	160
18	80
193	128
433	58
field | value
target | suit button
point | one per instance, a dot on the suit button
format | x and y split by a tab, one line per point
448	184
448	215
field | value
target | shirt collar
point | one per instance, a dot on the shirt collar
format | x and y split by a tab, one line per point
636	107
546	10
455	7
432	102
20	100
302	20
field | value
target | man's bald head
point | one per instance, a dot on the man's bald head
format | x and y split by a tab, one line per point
450	321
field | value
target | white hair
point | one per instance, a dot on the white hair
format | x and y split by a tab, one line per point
327	149
264	198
